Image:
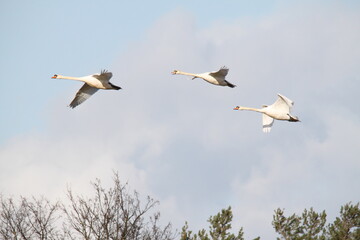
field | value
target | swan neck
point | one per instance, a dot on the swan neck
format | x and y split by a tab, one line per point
70	78
252	109
185	73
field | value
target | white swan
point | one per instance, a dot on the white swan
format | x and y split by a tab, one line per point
280	110
92	84
216	78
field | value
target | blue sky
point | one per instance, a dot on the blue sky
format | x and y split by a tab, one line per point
175	139
60	35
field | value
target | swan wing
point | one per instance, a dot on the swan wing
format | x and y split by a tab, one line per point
283	104
103	76
221	73
267	123
84	93
287	100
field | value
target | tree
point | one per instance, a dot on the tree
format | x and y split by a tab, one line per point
30	219
347	226
220	225
113	214
116	213
309	226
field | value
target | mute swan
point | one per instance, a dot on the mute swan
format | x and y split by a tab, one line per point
280	110
216	78
92	84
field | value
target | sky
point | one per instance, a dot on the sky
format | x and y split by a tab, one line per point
173	138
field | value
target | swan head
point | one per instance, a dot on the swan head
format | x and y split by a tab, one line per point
55	76
236	108
175	72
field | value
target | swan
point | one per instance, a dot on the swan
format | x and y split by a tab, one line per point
92	83
280	110
216	78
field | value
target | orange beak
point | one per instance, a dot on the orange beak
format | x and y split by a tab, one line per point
236	108
55	76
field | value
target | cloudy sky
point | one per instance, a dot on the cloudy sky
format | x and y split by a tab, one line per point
172	138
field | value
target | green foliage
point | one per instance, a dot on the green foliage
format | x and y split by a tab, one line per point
220	226
347	226
308	226
311	225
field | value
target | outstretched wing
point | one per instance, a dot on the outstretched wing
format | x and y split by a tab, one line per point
84	93
221	73
103	76
283	103
267	123
287	100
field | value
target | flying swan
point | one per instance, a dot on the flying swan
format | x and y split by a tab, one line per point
216	78
92	83
280	110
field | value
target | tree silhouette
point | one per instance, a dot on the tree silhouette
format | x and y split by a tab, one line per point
114	213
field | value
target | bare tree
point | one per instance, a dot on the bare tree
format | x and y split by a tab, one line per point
116	213
13	220
41	216
33	219
113	214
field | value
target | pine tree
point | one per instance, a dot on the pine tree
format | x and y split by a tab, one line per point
308	226
347	226
220	226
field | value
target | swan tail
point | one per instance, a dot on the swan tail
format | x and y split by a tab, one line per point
230	84
114	86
